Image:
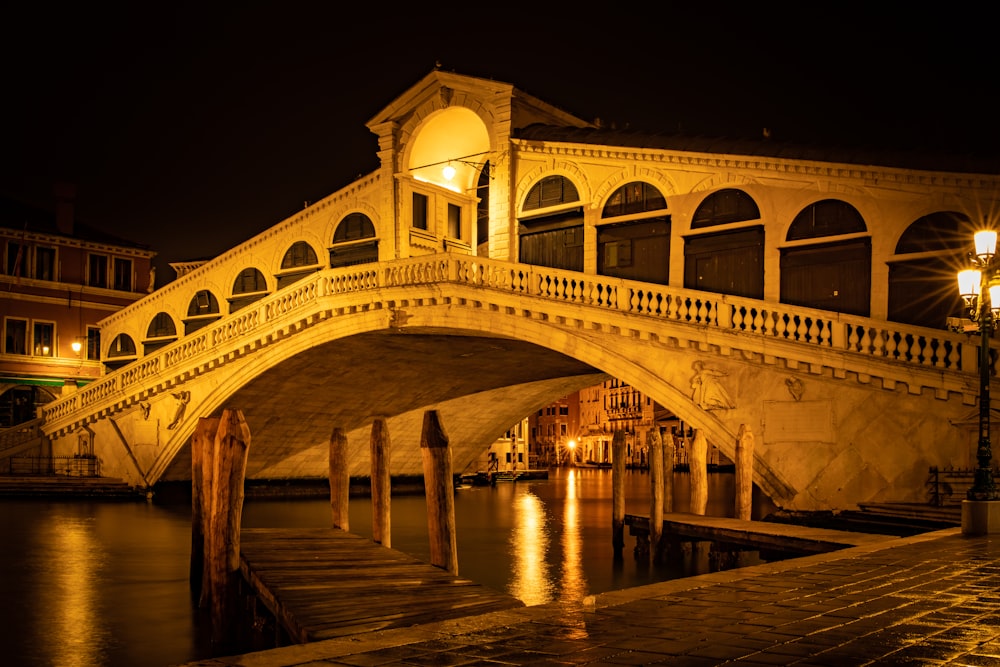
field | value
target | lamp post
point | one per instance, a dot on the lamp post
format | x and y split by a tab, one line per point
980	289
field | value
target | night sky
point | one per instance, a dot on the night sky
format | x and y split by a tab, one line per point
191	128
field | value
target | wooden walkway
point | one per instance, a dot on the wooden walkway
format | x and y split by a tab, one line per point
325	583
755	533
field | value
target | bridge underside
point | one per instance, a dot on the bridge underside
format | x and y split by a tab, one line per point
481	385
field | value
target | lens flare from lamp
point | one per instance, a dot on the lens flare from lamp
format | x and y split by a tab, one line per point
986	244
969	282
995	298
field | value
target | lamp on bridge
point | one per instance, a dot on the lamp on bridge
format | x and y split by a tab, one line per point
980	289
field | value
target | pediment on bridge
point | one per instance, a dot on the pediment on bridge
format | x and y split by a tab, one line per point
450	88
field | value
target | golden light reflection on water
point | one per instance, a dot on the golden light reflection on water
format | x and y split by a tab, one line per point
529	545
574	583
72	598
531	577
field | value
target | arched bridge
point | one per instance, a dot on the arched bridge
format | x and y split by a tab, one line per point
844	409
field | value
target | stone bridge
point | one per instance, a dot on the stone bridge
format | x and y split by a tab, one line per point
844	409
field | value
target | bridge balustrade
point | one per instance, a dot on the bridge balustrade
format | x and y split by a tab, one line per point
877	340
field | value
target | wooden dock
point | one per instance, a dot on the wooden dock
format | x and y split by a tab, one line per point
767	534
325	583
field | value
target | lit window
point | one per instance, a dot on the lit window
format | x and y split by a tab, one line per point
43	335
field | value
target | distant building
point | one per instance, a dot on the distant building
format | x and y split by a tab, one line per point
512	451
58	279
610	406
579	428
553	431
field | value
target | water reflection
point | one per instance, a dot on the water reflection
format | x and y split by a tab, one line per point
106	584
574	582
529	544
71	596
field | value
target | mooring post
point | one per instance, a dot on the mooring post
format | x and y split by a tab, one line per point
439	490
340	480
232	443
698	469
669	463
656	473
381	482
744	473
618	491
202	458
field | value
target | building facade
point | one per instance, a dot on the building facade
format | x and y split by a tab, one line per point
554	431
58	280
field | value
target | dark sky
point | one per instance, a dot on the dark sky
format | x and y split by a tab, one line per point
192	127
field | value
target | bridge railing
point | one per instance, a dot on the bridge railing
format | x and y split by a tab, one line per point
879	340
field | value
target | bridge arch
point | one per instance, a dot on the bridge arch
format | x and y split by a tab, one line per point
497	327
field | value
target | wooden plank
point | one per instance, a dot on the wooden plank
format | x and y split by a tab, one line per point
324	583
755	533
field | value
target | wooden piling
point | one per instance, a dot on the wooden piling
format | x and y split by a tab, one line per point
232	442
669	461
202	451
698	468
744	473
656	487
381	483
439	490
618	491
340	480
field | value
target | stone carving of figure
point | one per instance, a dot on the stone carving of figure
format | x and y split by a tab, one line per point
183	397
795	388
707	391
152	279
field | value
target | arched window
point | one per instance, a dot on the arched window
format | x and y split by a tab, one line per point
121	352
250	280
122	346
162	325
299	261
632	198
550	191
834	274
929	253
731	261
249	286
724	207
202	310
354	241
638	249
555	238
160	332
829	217
300	254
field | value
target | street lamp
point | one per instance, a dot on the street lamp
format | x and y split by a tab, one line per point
980	289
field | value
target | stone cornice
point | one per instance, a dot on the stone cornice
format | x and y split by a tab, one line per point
797	168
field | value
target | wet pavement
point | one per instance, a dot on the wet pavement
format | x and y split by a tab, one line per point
930	599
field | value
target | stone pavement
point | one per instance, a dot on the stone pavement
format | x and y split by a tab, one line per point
930	599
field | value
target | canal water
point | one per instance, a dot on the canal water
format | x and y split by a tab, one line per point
105	583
